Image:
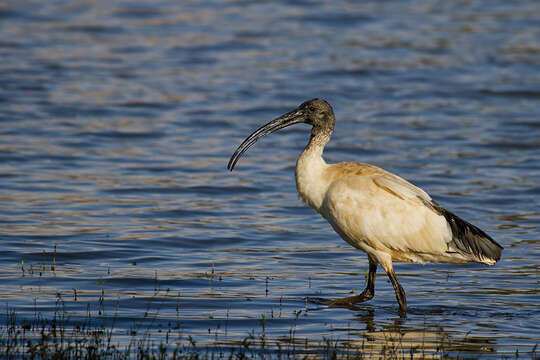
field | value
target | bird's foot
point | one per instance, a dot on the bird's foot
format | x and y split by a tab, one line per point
351	300
347	302
402	311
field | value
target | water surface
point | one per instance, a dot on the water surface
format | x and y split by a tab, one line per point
117	120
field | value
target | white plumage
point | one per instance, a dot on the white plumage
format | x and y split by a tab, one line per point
374	210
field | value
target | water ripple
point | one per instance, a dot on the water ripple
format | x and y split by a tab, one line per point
118	120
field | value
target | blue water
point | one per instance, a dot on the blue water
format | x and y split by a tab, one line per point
117	120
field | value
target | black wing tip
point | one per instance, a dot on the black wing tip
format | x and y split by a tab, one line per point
470	239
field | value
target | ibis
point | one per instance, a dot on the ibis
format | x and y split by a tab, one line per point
373	210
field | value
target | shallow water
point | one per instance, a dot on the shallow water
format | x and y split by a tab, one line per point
117	120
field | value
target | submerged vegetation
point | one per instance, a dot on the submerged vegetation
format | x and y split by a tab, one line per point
64	333
98	338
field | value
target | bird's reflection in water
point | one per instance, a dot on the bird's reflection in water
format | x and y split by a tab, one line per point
398	338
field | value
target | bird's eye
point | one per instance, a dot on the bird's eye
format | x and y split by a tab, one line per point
311	108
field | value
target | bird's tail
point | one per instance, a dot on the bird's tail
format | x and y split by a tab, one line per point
470	241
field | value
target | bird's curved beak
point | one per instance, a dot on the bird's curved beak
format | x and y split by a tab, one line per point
293	117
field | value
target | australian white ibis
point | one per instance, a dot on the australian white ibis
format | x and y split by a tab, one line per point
374	210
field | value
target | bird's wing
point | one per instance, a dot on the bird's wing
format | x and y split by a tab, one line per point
385	180
370	206
467	239
377	210
400	187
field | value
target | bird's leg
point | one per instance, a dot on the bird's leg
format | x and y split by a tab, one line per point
400	293
365	295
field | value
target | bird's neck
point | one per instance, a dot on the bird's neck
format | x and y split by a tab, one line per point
310	168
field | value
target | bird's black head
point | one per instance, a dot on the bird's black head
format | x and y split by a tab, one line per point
316	112
319	113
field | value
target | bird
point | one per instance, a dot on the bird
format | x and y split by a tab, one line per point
374	210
